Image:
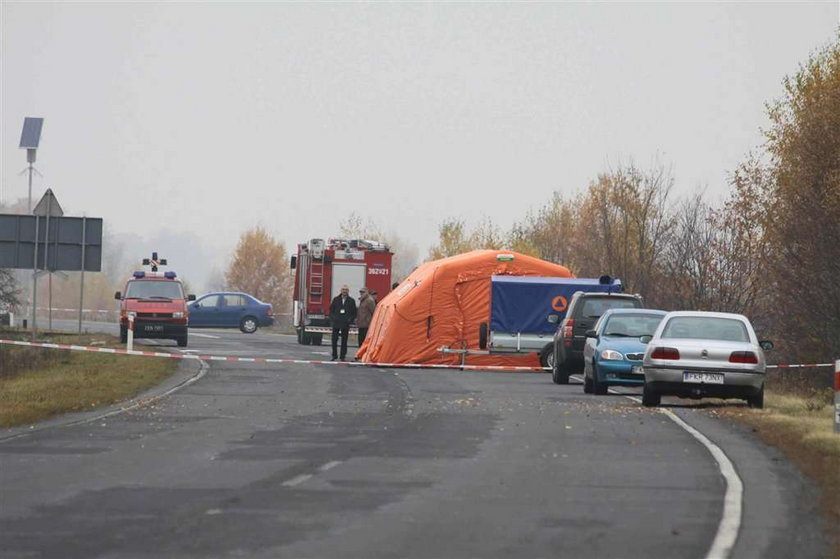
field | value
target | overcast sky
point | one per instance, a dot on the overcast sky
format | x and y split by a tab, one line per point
207	118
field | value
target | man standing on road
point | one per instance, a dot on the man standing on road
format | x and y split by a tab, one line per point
342	313
365	314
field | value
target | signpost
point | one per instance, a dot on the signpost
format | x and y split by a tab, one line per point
50	242
48	207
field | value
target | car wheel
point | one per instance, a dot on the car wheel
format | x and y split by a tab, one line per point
317	339
598	387
547	356
248	325
182	341
123	335
649	397
559	374
757	401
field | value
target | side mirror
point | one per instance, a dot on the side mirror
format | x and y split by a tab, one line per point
766	345
482	335
191	297
117	295
293	263
591	333
553	318
645	339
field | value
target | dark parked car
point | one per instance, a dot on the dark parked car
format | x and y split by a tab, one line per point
569	339
230	310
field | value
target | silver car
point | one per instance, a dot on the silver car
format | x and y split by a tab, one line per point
705	354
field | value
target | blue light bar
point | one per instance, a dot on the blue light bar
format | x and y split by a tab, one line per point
139	274
170	275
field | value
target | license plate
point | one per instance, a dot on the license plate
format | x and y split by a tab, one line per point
153	328
705	378
637	370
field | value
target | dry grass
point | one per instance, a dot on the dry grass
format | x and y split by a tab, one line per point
37	383
802	427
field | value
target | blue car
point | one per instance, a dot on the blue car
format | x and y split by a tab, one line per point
613	352
230	310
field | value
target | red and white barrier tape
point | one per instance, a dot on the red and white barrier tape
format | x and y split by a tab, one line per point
263	360
231	359
76	310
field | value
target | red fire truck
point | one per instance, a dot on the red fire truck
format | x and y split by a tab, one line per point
322	267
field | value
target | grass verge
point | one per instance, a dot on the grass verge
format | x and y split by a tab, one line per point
37	383
802	427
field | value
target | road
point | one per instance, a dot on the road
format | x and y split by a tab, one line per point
339	461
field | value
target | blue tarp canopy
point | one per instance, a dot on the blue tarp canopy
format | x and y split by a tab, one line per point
523	303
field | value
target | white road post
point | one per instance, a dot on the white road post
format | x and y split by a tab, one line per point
130	332
837	397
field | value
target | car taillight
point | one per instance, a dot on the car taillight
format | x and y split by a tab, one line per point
665	353
568	329
743	357
269	311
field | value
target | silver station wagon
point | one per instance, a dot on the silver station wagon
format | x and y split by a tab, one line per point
705	354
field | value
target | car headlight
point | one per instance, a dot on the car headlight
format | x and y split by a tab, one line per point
611	355
178	314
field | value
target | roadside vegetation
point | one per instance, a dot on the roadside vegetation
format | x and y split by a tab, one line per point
37	383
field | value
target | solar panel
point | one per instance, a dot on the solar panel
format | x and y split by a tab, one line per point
31	134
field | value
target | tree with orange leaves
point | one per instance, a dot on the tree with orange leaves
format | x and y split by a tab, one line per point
260	268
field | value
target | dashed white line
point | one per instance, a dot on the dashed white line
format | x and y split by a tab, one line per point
329	465
297	480
197	335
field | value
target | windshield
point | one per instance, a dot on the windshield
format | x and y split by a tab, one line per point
146	289
706	328
632	325
595	307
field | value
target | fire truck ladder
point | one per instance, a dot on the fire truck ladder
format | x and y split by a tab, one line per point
316	281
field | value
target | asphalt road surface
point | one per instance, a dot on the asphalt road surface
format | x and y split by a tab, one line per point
339	461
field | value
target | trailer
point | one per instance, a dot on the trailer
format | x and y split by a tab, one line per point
322	267
525	311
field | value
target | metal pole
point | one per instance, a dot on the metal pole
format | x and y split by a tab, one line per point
50	302
35	278
82	280
46	258
30	188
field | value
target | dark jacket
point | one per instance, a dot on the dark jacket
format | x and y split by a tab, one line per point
338	318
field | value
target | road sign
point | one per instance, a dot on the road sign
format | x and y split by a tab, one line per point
48	206
65	243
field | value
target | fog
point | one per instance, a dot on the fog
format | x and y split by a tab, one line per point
184	124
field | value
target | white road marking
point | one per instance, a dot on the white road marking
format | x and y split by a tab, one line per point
733	498
297	480
730	522
329	465
196	334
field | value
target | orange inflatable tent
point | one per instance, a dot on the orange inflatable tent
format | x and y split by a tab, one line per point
442	303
